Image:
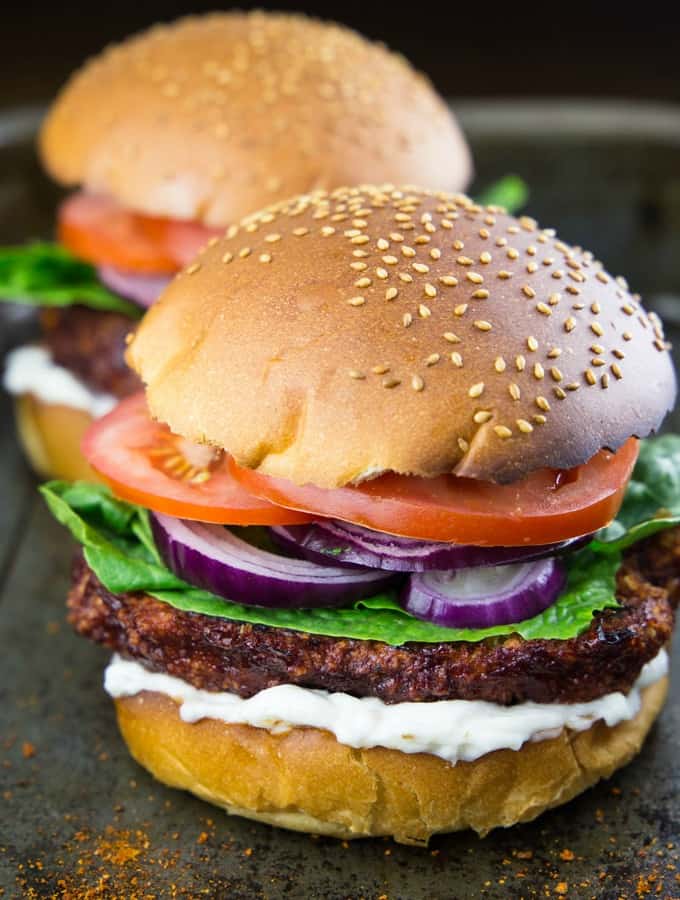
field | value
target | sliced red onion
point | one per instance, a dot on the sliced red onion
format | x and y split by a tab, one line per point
336	542
482	598
212	557
141	289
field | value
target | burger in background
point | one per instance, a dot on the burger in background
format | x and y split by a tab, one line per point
455	611
171	136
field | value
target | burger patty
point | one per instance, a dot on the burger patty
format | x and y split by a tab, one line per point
91	344
220	655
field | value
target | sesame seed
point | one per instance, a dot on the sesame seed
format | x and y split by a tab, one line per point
356	374
542	403
482	416
482	325
569	324
539	371
556	374
382	273
326	231
596	361
480	294
424	311
616	370
227	258
514	391
544	309
554	353
511	253
360	254
265	257
421	268
391	382
390	260
501	241
391	293
474	277
559	393
602	277
362	282
382	244
476	390
458	245
406	319
619	354
528	291
448	280
356	301
539	419
358	266
590	377
499	364
597	348
628	309
627	336
406	277
194	267
457	359
432	359
273	238
520	363
604	380
557	274
380	369
360	239
451	337
407	251
485	257
435	253
532	267
597	329
460	310
572	386
464	261
463	444
502	431
395	236
422	239
232	231
532	343
524	426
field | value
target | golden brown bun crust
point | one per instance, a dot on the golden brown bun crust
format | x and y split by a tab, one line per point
212	117
307	781
51	436
373	329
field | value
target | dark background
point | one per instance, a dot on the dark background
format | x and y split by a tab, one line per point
469	50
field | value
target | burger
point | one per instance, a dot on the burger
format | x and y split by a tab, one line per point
168	138
385	548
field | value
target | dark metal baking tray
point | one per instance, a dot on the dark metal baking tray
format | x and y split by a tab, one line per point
78	818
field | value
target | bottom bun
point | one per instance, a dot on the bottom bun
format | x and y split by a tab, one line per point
51	436
306	780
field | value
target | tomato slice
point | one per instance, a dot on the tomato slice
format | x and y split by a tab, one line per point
144	463
96	229
546	507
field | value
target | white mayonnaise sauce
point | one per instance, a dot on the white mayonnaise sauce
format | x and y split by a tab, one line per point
31	370
451	729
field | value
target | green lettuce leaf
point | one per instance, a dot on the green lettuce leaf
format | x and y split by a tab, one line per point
652	501
511	192
119	547
44	274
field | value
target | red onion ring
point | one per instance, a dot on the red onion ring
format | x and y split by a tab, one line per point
483	598
212	557
342	543
141	289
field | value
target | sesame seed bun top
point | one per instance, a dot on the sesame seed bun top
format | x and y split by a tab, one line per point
333	337
214	116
